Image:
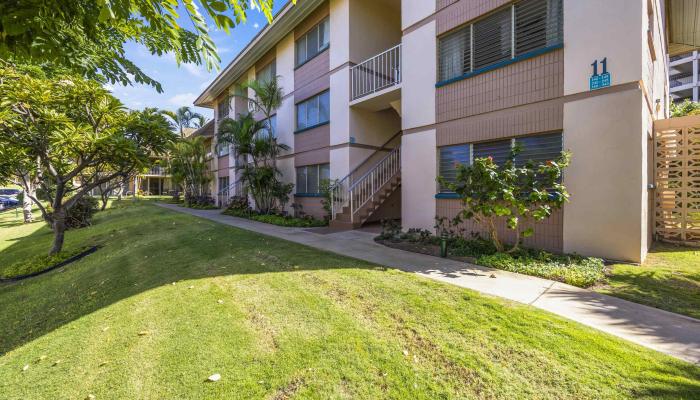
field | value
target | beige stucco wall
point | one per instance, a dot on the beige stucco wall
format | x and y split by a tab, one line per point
606	216
418	185
374	27
413	11
340	32
418	82
591	35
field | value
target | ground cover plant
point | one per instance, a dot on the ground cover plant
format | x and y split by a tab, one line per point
171	299
572	269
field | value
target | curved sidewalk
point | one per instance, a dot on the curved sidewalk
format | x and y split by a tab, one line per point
669	333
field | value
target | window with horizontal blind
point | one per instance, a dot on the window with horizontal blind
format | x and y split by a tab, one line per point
536	148
267	73
223	108
313	42
517	30
450	158
492	39
310	177
314	111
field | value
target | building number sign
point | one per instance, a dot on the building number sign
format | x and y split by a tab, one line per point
600	80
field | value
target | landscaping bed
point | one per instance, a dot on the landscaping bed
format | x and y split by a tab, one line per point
571	269
277	219
42	264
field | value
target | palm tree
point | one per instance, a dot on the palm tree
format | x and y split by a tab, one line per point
258	171
268	97
183	118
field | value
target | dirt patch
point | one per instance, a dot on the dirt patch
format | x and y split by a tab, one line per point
288	391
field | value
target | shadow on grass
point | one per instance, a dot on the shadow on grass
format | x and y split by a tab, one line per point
143	247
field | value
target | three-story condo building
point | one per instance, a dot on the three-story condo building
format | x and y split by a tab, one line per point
387	95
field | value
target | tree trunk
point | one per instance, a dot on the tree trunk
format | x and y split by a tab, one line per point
59	231
27	201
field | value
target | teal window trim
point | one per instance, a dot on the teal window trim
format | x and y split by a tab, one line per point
501	64
447	195
308	194
308	128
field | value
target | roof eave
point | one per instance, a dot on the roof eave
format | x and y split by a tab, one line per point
283	23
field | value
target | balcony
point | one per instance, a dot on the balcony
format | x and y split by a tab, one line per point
377	80
156	171
680	80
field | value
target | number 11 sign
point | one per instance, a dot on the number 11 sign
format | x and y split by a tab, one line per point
599	81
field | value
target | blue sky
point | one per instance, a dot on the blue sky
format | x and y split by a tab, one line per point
181	85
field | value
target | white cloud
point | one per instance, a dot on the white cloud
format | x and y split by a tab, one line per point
182	99
256	25
193	69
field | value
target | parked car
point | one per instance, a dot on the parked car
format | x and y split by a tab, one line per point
7	202
10	192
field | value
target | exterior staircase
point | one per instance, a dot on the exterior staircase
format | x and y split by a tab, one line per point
357	196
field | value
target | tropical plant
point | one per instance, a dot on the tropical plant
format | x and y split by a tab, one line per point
521	194
68	135
267	98
685	108
88	36
183	118
258	171
189	167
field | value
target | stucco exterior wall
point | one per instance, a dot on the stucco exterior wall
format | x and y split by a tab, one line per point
413	12
418	185
606	216
419	71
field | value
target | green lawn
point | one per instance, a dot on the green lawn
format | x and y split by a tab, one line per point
141	318
669	279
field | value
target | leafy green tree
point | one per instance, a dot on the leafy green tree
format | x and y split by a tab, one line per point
685	108
88	36
188	164
183	118
71	135
521	194
258	170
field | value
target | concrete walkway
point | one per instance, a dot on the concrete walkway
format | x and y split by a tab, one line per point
670	333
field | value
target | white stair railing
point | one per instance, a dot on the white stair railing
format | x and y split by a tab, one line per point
377	73
356	194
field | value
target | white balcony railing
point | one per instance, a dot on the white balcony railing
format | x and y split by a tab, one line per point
378	73
157	171
355	195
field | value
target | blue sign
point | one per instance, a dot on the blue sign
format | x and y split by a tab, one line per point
599	81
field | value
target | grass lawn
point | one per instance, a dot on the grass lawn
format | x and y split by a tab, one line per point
669	279
171	299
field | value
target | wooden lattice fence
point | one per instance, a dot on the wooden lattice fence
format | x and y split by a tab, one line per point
677	180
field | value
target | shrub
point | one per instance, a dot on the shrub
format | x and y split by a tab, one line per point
37	264
199	201
521	194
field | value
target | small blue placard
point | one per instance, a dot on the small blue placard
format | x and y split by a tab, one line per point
599	81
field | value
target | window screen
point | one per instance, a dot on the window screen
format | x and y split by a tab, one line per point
455	54
492	39
499	150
